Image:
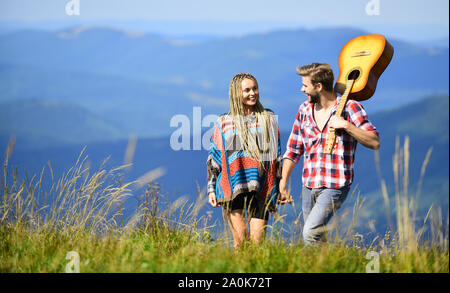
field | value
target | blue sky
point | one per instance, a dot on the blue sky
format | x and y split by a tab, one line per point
410	20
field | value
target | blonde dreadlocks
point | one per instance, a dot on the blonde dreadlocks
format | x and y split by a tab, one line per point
264	148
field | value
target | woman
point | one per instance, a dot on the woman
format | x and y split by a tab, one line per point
244	161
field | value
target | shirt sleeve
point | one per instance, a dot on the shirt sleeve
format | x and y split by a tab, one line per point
213	162
359	118
295	147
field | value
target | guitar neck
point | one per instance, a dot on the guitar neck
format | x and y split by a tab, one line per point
329	144
344	97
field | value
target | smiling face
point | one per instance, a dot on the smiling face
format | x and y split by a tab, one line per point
250	93
310	90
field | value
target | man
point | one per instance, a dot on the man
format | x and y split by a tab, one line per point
326	177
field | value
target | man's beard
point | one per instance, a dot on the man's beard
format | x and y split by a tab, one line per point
314	98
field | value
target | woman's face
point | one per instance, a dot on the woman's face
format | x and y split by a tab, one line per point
250	93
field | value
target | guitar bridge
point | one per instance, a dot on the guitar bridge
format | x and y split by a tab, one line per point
361	53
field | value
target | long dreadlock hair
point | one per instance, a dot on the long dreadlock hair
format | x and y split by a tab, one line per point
264	148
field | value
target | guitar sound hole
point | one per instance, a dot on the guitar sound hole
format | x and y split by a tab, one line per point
354	74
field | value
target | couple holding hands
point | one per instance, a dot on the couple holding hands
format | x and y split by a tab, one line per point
246	170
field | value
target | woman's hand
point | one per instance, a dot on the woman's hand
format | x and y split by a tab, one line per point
212	199
285	196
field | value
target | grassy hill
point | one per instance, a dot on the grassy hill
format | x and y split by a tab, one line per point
114	226
83	230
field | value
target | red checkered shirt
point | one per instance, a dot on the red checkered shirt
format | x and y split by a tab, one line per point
333	170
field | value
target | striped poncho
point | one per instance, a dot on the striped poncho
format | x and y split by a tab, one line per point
231	170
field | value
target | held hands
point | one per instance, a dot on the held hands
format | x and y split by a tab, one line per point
212	199
285	196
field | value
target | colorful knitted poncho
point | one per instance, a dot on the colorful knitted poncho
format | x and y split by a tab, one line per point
232	171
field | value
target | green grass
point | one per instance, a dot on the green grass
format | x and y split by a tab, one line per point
82	213
179	252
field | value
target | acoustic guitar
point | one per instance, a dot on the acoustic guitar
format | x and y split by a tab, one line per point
361	62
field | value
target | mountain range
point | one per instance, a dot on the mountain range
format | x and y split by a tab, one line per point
134	83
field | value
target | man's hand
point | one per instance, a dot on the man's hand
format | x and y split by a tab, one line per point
285	196
337	122
212	199
365	137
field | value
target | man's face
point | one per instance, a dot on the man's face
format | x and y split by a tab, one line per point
309	89
250	92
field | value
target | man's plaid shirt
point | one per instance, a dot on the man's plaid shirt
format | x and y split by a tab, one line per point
333	170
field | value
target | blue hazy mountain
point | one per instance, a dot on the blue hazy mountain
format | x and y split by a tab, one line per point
436	43
137	81
38	123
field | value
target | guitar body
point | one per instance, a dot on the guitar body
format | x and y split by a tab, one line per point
361	62
364	59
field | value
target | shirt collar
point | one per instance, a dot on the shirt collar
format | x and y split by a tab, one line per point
333	110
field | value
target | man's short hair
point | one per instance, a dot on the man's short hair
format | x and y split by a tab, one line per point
318	72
